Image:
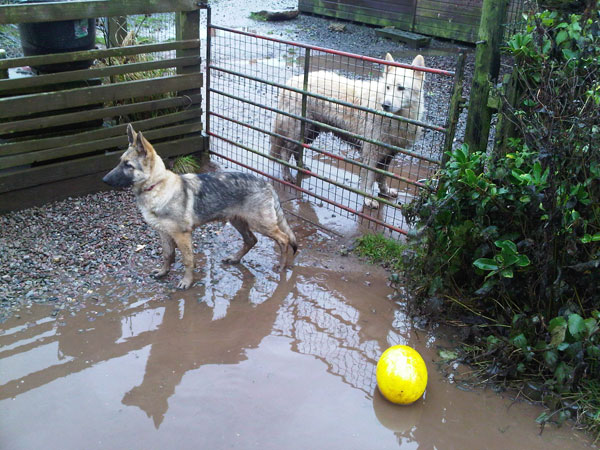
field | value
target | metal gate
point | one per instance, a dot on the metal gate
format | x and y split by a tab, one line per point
271	102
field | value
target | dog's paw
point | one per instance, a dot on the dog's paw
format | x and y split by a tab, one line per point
370	203
159	273
389	193
185	283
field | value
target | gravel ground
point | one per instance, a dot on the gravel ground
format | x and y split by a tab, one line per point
61	252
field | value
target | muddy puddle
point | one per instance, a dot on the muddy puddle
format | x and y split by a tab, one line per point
244	359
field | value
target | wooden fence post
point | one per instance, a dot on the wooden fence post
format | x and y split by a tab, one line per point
3	72
117	30
187	26
487	66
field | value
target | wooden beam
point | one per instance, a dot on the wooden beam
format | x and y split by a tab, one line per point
25	178
83	55
34	145
103	113
52	12
9	86
110	143
49	101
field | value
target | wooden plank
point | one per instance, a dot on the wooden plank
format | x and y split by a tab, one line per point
380	6
373	17
104	113
48	101
25	178
457	20
413	40
50	12
93	146
446	31
465	9
35	145
15	84
84	55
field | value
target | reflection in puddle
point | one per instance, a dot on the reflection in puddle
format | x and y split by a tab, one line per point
245	358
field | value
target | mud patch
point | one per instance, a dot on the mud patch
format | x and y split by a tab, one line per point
244	359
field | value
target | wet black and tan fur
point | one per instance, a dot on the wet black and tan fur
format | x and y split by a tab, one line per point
175	204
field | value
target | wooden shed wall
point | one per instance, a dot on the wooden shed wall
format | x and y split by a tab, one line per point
451	19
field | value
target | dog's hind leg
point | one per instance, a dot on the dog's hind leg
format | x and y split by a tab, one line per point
168	249
249	240
184	243
283	240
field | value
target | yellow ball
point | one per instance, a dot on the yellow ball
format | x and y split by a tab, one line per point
401	375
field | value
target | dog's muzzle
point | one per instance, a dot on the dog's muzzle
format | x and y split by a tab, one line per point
116	178
386	107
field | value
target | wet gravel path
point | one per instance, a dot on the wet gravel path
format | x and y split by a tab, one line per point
64	251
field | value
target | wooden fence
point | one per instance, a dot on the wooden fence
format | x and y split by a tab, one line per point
450	19
60	132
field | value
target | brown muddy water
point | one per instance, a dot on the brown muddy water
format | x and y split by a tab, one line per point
245	359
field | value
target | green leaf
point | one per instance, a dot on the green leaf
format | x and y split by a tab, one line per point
592	325
448	355
577	326
563	346
486	264
542	418
550	358
562	372
523	261
556	322
507	273
557	328
593	351
519	341
561	37
506	245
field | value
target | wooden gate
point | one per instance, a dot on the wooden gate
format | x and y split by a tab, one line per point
59	132
249	76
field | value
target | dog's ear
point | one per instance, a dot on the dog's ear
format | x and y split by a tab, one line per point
141	144
419	61
389	58
130	134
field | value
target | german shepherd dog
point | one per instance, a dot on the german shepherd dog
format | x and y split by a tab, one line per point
398	91
175	204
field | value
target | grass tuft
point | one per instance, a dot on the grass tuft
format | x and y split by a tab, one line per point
186	164
380	250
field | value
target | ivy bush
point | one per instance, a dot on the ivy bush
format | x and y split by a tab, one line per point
513	237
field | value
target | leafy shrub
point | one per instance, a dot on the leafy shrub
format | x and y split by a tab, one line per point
514	237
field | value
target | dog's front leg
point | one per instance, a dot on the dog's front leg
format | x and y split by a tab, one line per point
367	177
168	249
184	243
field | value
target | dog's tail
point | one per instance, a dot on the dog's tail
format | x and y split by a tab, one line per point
283	224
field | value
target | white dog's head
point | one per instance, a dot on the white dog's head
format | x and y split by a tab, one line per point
402	86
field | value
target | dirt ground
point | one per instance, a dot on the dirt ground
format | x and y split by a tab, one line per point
94	353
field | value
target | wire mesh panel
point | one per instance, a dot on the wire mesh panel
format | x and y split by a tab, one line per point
357	133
